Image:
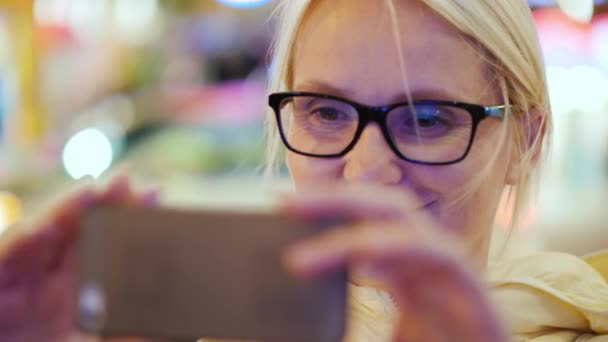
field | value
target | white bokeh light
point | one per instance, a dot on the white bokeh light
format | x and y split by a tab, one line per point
51	11
134	20
599	42
87	153
85	18
581	88
558	79
579	10
589	88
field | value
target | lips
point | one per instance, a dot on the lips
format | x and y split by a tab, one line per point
432	208
428	204
424	196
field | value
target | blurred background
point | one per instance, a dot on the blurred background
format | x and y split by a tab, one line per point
176	90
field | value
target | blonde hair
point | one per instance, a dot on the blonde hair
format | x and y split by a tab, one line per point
504	34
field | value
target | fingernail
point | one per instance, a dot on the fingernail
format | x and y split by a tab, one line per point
87	198
118	187
151	198
120	180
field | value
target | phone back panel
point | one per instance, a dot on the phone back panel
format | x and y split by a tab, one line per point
184	274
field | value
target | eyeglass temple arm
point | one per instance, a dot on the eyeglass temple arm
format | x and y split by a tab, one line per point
497	111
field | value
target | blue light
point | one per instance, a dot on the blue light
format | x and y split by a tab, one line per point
547	3
243	3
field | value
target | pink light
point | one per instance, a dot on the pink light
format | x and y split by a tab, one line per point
558	31
599	40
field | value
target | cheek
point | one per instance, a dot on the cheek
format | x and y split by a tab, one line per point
483	171
470	191
306	170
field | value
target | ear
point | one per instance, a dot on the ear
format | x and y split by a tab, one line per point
534	127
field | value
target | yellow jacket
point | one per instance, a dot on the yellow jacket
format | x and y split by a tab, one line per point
544	297
549	297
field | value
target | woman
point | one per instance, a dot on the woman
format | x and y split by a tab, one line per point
409	118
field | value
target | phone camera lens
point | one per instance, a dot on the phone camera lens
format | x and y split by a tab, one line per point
91	306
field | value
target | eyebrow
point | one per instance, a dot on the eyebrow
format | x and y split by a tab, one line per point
416	94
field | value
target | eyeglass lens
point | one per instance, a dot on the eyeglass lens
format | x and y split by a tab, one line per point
423	132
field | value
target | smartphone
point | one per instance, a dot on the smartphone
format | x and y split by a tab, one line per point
187	274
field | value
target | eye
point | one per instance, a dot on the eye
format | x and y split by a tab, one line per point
428	117
328	113
424	121
425	117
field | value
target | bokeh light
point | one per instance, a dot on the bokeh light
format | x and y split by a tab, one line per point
599	40
134	19
590	88
581	88
579	10
243	3
87	153
10	210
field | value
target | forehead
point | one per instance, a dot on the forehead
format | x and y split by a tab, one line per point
352	47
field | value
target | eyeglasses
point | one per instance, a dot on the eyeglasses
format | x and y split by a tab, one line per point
422	132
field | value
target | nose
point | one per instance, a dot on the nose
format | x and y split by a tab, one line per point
372	160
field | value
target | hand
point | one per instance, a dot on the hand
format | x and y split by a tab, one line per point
37	267
389	238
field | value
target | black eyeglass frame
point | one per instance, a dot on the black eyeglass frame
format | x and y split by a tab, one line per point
378	114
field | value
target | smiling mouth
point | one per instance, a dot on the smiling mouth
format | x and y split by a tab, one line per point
432	209
428	205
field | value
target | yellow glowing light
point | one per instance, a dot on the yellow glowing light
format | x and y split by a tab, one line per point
10	210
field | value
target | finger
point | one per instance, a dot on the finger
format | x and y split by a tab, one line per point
436	287
336	248
118	190
369	246
443	292
434	306
61	217
30	257
150	198
419	274
130	339
33	250
13	305
353	201
411	327
66	215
